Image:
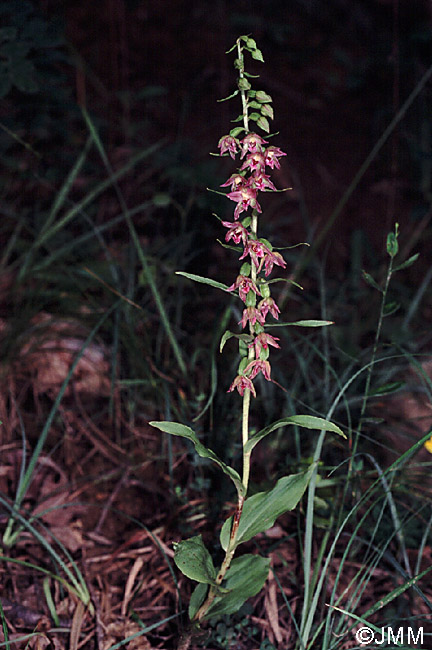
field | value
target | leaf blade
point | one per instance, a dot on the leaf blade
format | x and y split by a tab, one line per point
261	510
181	430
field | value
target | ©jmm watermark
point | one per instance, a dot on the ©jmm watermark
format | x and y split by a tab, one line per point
387	635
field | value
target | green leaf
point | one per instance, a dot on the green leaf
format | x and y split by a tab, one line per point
304	323
245	578
194	560
305	421
257	55
407	262
390	308
197	599
236	92
236	131
261	510
177	429
199	278
228	335
369	279
385	389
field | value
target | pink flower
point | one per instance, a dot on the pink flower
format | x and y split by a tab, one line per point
271	259
228	144
245	197
257	366
236	180
251	314
254	161
257	252
263	340
244	285
236	232
262	182
268	305
242	383
252	143
271	157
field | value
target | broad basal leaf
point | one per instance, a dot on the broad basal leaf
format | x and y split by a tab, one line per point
305	421
177	429
194	560
245	578
261	510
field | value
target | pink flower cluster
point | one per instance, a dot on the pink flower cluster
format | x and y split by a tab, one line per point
245	185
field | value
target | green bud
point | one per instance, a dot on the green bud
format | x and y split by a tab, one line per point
243	348
265	290
237	64
264	354
245	269
267	111
262	97
250	299
392	243
263	124
242	365
243	84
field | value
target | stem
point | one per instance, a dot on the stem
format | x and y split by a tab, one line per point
242	92
229	554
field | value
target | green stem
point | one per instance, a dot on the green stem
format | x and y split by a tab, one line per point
229	554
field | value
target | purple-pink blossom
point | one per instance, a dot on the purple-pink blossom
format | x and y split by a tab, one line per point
236	231
263	340
252	142
267	305
244	197
242	383
257	366
271	157
251	314
228	144
244	285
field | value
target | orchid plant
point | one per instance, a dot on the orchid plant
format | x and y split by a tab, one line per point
223	590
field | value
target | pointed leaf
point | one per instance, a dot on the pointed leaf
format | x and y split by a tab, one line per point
306	421
199	278
369	279
247	338
197	599
194	560
245	578
261	510
177	429
236	92
407	262
236	131
305	323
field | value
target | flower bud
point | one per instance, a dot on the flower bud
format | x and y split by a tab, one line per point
265	290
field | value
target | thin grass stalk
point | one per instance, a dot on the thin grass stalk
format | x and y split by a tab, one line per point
113	177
